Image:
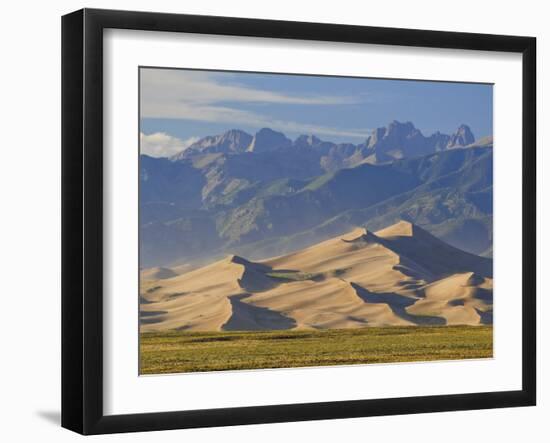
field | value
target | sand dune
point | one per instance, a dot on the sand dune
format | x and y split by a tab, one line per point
400	275
428	252
332	303
197	300
460	299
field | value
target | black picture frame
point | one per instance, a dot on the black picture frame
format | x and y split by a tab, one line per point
82	219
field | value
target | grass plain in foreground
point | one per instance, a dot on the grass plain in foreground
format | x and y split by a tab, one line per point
181	351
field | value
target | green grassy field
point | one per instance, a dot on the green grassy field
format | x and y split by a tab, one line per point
180	351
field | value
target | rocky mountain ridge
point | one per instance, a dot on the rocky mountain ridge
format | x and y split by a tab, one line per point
267	195
395	141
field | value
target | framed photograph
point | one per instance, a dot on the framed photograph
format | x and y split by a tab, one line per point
269	221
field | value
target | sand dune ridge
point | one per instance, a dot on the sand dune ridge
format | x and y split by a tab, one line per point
400	275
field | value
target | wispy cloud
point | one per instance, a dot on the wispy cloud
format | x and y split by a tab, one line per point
199	87
201	96
160	144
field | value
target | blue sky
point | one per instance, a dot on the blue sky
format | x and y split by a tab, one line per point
180	106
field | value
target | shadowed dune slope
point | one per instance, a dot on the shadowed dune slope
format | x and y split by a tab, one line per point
400	275
436	256
460	299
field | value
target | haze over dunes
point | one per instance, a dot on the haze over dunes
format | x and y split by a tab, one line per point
398	276
264	195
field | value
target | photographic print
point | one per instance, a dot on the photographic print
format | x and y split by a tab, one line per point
293	220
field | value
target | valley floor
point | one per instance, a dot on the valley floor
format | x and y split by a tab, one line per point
185	351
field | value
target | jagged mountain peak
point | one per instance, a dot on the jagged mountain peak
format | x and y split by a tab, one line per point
396	140
235	132
396	127
308	140
232	141
269	131
394	124
266	139
402	139
463	136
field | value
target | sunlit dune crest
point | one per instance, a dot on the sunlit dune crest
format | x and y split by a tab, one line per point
400	276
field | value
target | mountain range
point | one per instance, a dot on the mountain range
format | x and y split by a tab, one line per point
397	140
264	195
400	275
